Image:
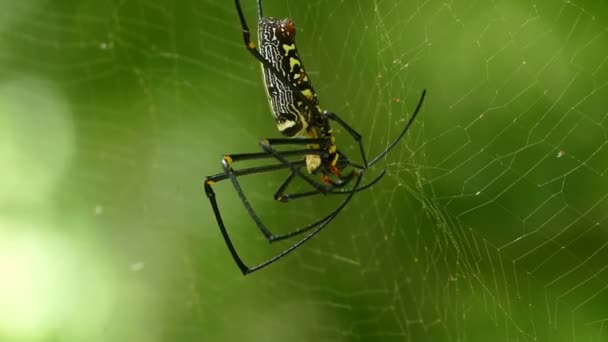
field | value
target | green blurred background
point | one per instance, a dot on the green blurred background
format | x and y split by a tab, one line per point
491	222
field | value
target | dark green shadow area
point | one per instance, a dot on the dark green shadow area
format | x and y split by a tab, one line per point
490	223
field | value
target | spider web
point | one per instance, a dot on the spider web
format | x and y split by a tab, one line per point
490	223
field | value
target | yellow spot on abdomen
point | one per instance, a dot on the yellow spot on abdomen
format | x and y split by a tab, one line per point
307	93
288	48
293	62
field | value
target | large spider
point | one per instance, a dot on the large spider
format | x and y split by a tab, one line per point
297	114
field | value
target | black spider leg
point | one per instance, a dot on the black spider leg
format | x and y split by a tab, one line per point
283	197
322	188
259	4
218	177
356	188
282	157
227	162
403	131
269	168
294	166
267	144
231	174
319	226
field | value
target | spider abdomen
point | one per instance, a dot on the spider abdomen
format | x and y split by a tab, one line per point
277	45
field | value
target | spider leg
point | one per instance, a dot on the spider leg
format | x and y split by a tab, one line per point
403	131
361	188
317	226
279	195
259	3
266	145
295	166
288	197
319	188
254	170
230	173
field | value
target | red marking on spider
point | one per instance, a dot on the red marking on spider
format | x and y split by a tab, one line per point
334	170
290	27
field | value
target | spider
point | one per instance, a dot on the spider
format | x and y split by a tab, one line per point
301	120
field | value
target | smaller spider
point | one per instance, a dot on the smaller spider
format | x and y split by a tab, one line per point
299	117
